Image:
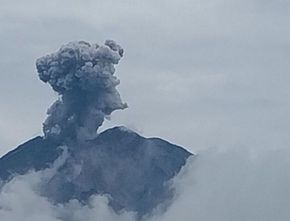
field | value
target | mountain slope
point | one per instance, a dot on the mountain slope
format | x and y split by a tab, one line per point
131	169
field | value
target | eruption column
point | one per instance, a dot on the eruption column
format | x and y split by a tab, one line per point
83	76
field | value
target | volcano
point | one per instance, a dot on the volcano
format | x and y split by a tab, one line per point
133	171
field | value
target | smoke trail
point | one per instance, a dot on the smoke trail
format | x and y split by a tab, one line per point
83	76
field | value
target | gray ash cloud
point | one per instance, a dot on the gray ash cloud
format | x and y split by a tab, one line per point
83	76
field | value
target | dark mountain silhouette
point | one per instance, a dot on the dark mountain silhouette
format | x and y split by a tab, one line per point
132	170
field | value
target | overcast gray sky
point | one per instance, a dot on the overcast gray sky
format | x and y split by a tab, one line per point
199	73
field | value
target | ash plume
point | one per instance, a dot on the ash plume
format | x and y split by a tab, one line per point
83	76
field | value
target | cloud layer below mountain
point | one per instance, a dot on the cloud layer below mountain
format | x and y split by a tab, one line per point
216	185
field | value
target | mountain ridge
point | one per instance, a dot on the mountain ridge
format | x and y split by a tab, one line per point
132	169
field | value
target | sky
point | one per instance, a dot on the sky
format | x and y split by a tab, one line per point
209	75
199	73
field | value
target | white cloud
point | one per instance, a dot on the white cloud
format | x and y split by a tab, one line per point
216	185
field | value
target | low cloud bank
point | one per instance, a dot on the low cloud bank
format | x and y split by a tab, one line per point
234	185
216	185
21	199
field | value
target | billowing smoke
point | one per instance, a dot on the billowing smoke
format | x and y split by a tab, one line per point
83	76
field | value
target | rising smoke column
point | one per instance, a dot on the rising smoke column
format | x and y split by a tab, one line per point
83	76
